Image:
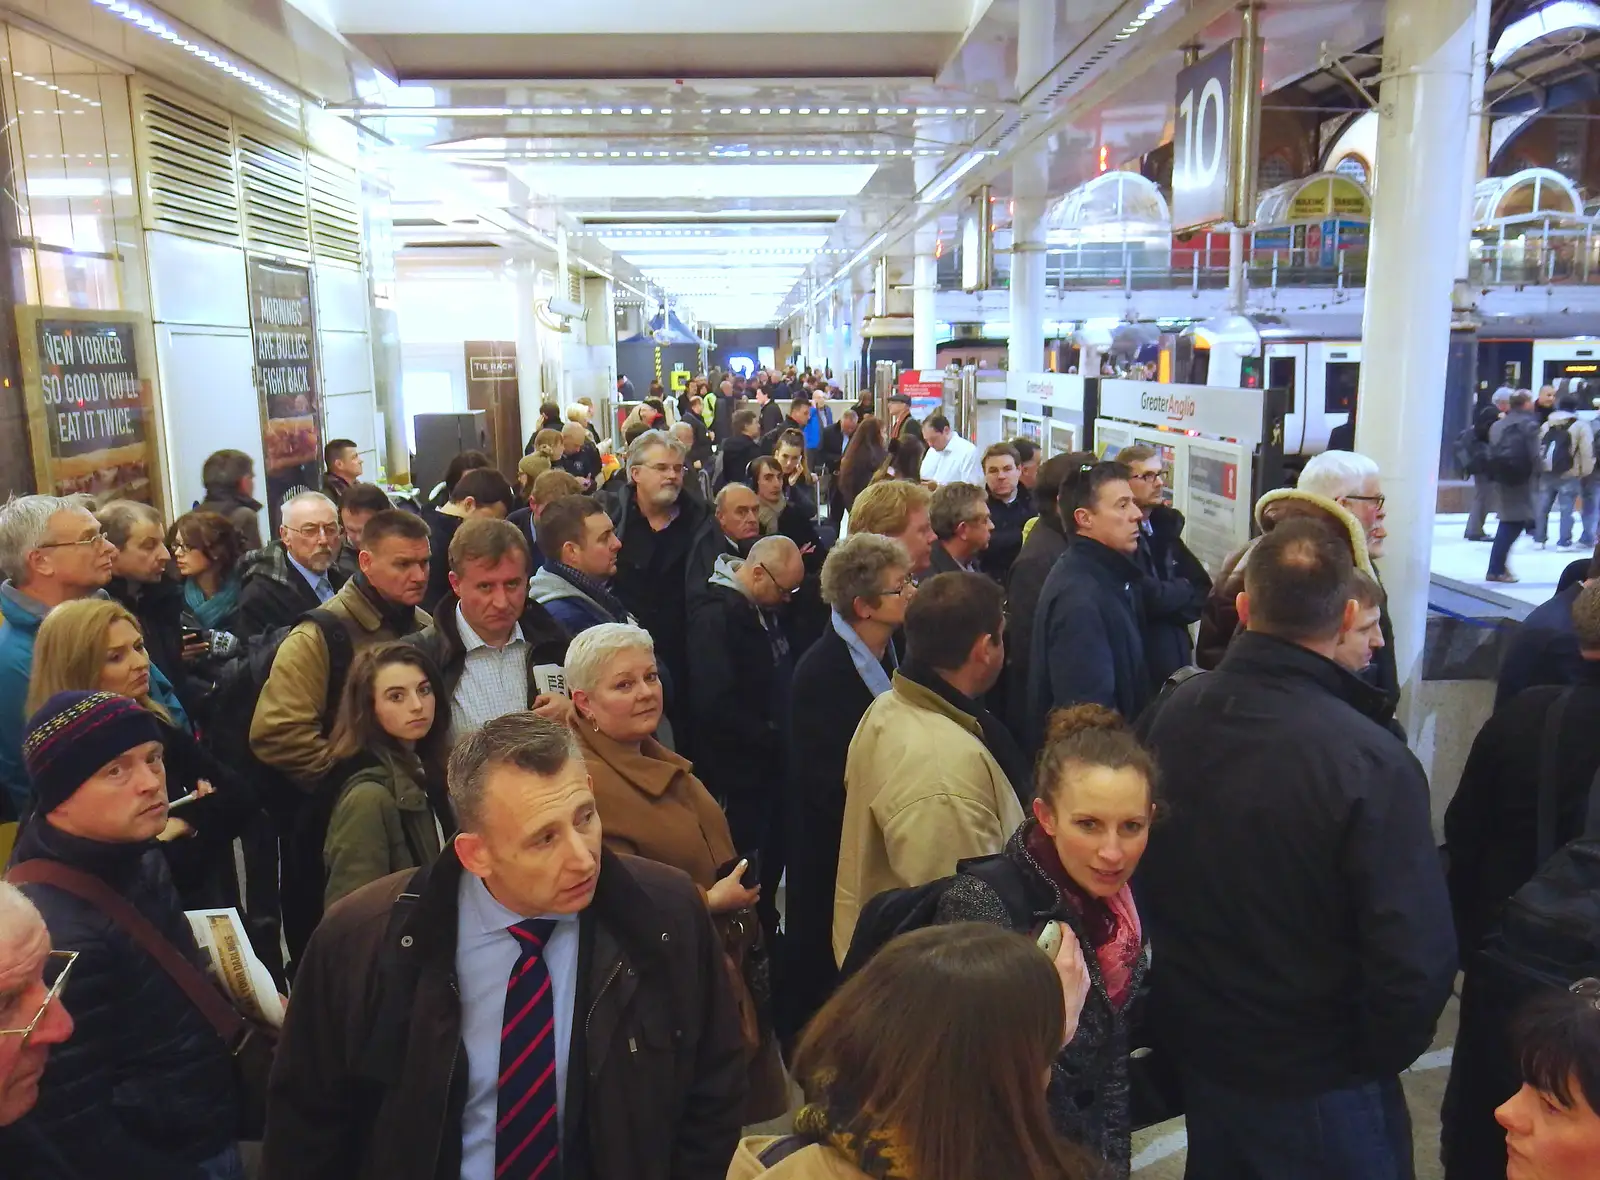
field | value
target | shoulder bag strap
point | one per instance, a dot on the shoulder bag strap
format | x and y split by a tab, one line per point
213	1005
1548	769
1591	829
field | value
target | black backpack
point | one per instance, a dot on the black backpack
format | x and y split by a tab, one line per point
899	911
1510	458
1558	448
1548	934
1472	452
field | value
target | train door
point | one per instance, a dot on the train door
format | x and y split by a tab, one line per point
1286	366
1333	381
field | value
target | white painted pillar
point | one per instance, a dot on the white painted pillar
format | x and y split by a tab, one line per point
925	277
1427	95
1030	189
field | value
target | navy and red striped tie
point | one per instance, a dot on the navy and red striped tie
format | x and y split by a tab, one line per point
527	1140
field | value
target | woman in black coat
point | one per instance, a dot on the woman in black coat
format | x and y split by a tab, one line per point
865	584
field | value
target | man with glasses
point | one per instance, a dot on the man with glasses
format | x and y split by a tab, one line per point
32	1017
52	550
297	572
740	668
145	1088
656	524
1353	481
1175	584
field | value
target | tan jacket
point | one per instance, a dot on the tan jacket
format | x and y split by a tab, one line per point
922	791
652	806
814	1162
287	730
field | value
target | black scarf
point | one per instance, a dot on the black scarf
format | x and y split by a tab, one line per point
1002	746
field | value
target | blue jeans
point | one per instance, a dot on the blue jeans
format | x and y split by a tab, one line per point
226	1166
1358	1134
1561	492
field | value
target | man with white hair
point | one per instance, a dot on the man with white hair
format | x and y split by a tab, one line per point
52	550
297	572
656	524
1353	481
32	1017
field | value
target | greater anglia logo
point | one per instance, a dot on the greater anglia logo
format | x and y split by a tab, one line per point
1176	409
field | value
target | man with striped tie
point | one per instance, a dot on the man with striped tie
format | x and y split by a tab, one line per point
530	1007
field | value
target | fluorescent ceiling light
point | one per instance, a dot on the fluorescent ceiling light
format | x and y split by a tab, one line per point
160	29
596	217
945	180
861	254
735	181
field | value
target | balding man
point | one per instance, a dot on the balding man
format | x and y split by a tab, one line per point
32	1018
730	532
739	671
297	572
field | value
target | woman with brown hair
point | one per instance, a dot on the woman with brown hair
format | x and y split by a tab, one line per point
862	457
930	1064
384	817
96	645
904	460
1093	804
652	805
207	549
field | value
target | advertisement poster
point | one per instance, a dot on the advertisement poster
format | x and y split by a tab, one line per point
926	391
1217	505
283	326
90	404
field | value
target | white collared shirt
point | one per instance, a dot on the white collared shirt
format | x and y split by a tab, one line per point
485	954
957	463
494	680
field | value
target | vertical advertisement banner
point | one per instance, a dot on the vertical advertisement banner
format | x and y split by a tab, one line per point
90	403
283	325
492	386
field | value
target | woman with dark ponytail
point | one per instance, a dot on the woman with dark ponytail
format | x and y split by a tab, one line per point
1094	799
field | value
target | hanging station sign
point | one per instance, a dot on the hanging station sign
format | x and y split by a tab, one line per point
283	326
91	409
1213	143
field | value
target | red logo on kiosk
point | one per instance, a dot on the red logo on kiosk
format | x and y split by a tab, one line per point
1230	481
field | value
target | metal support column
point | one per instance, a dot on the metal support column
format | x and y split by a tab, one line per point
1030	188
925	280
1427	97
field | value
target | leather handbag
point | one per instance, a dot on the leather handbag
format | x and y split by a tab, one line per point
251	1043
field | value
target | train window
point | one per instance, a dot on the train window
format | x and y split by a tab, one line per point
1280	375
1342	379
1250	372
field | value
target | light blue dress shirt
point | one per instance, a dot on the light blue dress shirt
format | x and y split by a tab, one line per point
319	583
485	954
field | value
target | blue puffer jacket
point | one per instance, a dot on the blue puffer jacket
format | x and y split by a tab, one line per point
143	1089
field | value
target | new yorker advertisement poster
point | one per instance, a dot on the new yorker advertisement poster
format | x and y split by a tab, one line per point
283	326
91	413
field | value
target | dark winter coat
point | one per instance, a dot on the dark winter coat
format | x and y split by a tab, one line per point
1173	592
573	607
1517	498
737	455
584	463
710	543
529	528
1293	891
242	512
1005	542
274	593
202	865
1088	637
1089	1088
1543	649
369	1078
144	1087
826	703
442	528
1045	544
1490	828
772	415
735	689
650	575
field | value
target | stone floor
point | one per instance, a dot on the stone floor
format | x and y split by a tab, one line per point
1468	561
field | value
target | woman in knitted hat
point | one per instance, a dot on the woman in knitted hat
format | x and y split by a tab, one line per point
95	644
144	1088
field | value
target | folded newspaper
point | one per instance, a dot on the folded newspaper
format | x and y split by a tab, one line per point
235	963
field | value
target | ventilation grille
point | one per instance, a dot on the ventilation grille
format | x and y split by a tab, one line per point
188	169
574	286
335	211
272	177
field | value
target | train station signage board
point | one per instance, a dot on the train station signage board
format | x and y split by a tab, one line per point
1201	142
1203	409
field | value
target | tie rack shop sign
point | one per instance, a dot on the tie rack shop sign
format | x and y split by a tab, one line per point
90	404
283	326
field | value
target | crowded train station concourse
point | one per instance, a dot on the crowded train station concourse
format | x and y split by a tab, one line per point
870	590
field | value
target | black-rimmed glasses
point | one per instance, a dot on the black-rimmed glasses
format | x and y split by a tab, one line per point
1379	501
58	965
787	591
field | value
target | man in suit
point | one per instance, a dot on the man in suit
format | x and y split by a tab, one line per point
530	1005
959	514
297	572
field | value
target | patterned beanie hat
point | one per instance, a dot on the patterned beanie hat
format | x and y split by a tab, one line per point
74	734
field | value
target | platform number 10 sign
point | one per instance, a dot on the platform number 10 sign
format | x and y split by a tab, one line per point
1202	142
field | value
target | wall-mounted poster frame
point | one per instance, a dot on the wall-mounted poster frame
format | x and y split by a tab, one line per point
283	326
87	379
